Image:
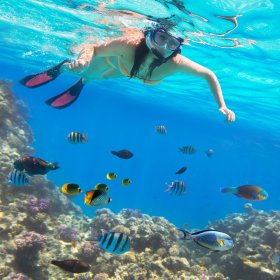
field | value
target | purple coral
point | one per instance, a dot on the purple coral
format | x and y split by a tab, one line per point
36	205
67	233
88	251
30	242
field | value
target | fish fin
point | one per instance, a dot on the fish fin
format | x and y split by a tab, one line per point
68	97
42	78
205	230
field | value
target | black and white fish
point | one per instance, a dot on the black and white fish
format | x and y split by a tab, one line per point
114	242
177	188
97	198
17	178
161	129
187	150
77	138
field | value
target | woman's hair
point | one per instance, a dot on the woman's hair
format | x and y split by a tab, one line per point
141	53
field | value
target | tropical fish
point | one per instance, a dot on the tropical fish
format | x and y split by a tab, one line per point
126	182
161	129
209	152
71	189
77	138
34	166
17	178
181	170
97	198
101	186
210	239
124	154
74	266
177	188
250	192
187	150
114	242
111	176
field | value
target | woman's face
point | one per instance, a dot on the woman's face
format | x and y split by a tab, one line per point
162	42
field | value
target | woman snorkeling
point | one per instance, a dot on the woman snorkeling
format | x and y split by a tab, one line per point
150	57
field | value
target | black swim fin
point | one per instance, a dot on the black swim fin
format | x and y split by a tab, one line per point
68	97
36	80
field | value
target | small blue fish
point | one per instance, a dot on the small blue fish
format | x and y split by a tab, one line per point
209	239
17	178
114	242
177	188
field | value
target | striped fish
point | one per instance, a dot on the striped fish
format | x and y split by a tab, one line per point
17	178
97	198
161	129
177	188
76	138
188	150
114	242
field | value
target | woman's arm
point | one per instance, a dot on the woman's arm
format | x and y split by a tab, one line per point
189	67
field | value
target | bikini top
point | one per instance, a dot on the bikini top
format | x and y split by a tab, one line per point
126	73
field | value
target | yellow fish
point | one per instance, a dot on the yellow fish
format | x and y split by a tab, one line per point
111	176
71	189
101	186
126	182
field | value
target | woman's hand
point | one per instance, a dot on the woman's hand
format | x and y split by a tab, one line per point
78	65
230	114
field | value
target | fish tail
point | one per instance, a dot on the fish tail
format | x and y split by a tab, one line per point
86	137
185	234
227	190
114	153
168	187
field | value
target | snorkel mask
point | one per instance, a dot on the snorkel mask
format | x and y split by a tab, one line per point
162	44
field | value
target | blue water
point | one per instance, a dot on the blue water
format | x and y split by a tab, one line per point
122	114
